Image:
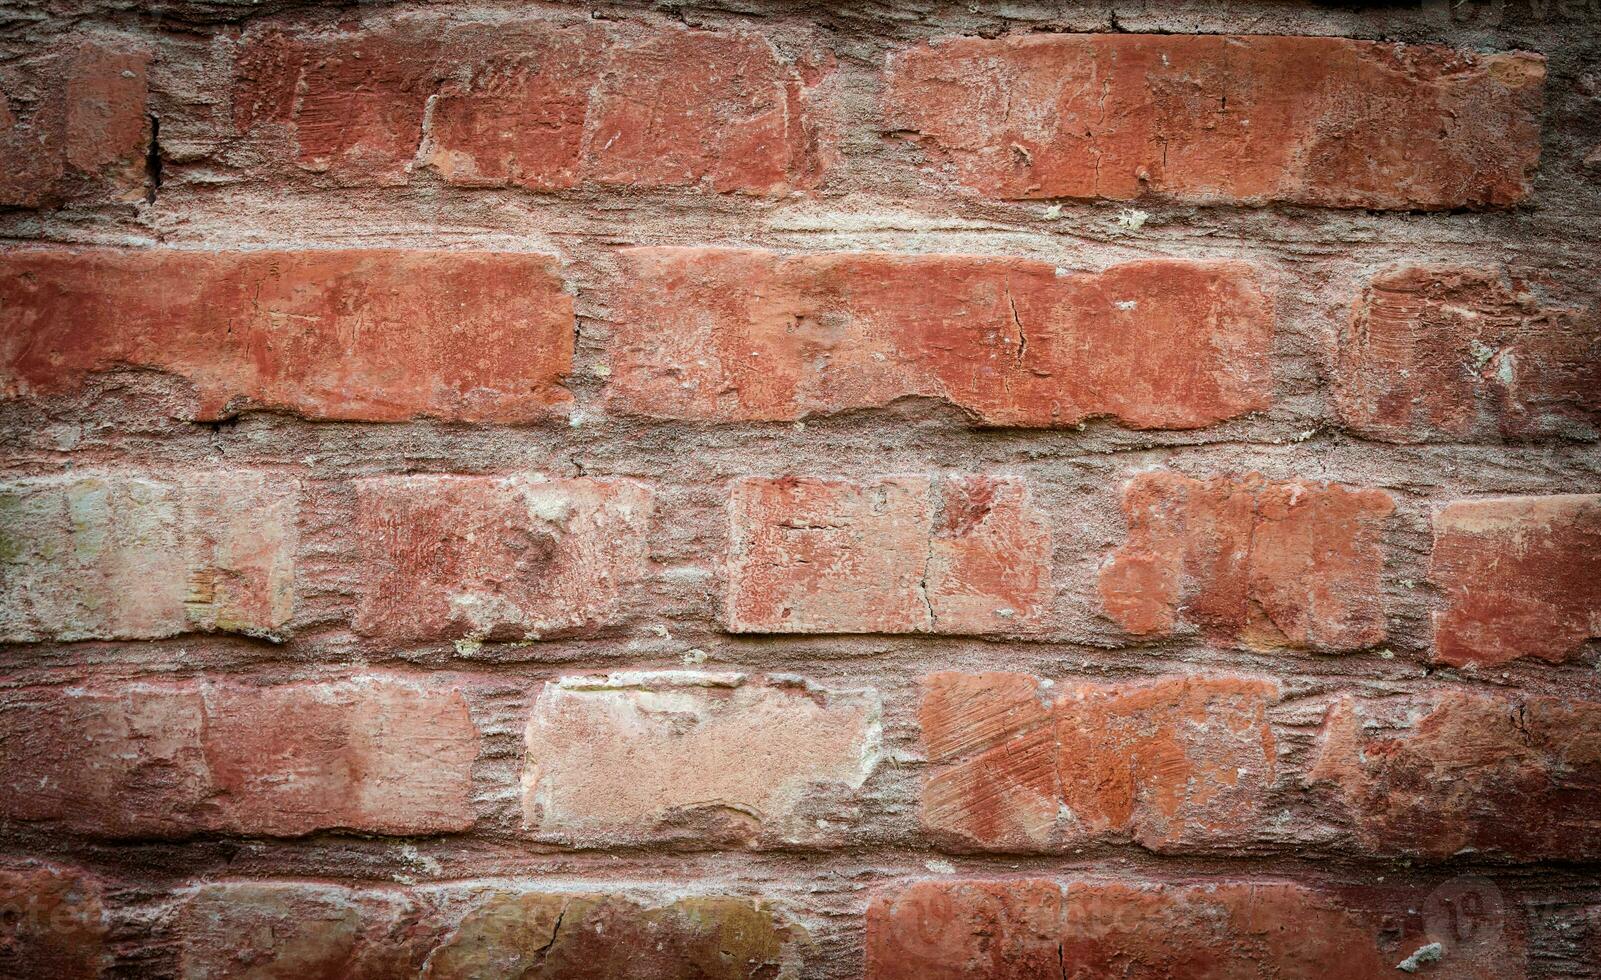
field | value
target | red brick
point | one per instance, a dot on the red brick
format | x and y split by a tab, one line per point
295	931
634	758
548	105
170	759
1211	119
1170	764
120	556
52	922
1454	353
966	930
1024	929
87	130
1464	772
368	334
601	937
893	555
1263	565
1521	577
747	335
284	930
497	558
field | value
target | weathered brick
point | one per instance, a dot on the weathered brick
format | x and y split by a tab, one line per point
298	930
118	556
1172	764
898	554
1213	119
546	105
368	334
741	334
85	130
551	936
1457	353
686	755
1471	773
1264	565
498	558
52	922
373	754
1521	577
1031	928
294	931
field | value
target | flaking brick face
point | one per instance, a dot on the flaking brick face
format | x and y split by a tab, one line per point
769	491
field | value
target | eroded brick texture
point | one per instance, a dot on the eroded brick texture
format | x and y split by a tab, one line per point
496	558
1444	353
1462	773
1172	764
293	930
686	755
797	491
368	334
1031	927
1251	120
74	124
738	334
969	554
1250	562
544	105
52	922
1521	578
130	557
374	754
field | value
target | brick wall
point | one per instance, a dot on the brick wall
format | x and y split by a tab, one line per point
903	490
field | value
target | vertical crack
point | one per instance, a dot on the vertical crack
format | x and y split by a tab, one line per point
153	160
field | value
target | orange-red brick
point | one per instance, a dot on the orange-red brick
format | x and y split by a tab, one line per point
1171	764
368	334
1265	565
53	922
86	130
496	558
749	335
1214	119
545	105
1521	578
170	759
1440	353
1024	929
1460	772
899	554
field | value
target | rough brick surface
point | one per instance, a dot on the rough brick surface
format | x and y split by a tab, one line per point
695	490
544	106
1248	562
1465	773
1173	764
684	755
739	334
292	930
52	922
451	557
1444	352
166	760
369	334
1027	928
1325	121
898	554
85	130
1521	578
122	556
